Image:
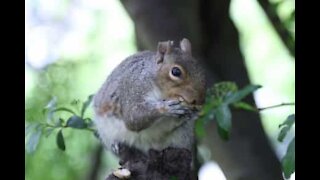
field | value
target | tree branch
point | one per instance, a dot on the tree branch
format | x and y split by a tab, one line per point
279	26
170	163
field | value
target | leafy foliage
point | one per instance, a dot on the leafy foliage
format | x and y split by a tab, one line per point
288	161
286	126
60	140
76	122
219	99
33	131
244	106
223	115
239	95
224	95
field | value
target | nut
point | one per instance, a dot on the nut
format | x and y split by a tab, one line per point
122	173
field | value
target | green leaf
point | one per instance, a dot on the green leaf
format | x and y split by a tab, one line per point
33	141
245	106
288	161
86	104
223	133
49	107
286	126
289	121
48	131
220	89
207	114
199	128
76	122
206	108
239	95
223	117
60	141
52	104
32	127
29	128
283	133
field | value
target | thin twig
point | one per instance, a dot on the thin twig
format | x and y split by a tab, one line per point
274	106
53	126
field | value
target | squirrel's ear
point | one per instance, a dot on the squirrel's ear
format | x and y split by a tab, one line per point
185	46
163	48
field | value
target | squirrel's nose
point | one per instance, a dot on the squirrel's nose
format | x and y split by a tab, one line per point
190	96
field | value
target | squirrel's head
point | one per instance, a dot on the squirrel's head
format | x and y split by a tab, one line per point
179	74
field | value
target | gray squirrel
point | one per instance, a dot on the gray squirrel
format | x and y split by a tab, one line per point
151	99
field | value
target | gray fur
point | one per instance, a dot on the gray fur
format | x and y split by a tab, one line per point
139	123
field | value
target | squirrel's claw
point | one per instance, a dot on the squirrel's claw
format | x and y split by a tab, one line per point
176	109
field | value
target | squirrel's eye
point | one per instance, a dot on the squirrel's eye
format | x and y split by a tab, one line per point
176	72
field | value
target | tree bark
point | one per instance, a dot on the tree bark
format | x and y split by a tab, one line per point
167	164
284	34
206	23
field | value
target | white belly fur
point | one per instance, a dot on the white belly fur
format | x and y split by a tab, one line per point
112	130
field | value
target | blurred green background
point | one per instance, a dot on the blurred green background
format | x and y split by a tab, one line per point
71	47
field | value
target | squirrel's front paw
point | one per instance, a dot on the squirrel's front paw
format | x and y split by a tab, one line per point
175	108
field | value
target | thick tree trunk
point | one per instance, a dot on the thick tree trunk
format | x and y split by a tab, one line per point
206	23
170	163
